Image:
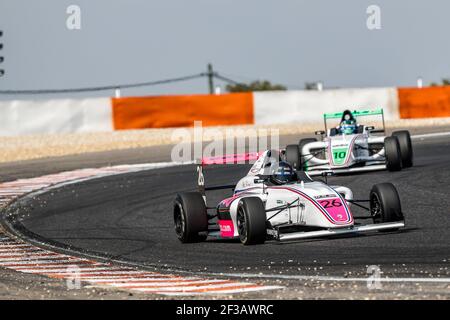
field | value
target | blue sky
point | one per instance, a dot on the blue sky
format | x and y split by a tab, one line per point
285	41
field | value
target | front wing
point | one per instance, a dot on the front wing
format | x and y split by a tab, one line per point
275	234
334	232
374	167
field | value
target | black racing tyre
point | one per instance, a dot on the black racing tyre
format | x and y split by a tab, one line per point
190	217
406	150
251	221
392	153
385	204
293	156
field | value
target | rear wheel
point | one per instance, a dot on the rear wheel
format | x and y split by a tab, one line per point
392	153
251	221
406	151
385	204
293	156
190	217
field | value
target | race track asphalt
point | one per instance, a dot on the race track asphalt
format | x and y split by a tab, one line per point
129	217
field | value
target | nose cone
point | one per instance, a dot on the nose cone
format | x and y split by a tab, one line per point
329	203
336	210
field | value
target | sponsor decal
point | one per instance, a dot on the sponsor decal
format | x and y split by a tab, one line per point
335	209
342	145
339	155
246	184
324	196
226	228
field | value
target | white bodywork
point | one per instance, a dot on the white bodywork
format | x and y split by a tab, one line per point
304	204
344	153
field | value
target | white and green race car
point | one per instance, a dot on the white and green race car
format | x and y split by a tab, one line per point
352	147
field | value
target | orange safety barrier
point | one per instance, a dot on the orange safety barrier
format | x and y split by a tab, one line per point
182	111
427	102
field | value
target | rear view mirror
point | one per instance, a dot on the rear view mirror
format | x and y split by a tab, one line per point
372	129
327	173
260	180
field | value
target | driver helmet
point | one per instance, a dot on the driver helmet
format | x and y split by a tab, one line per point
348	126
282	173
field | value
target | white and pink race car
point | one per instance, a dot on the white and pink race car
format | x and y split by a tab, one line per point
273	201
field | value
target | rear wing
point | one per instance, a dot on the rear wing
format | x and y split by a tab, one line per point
356	114
231	158
222	160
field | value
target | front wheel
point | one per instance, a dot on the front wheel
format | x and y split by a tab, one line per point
406	151
385	204
251	221
190	217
